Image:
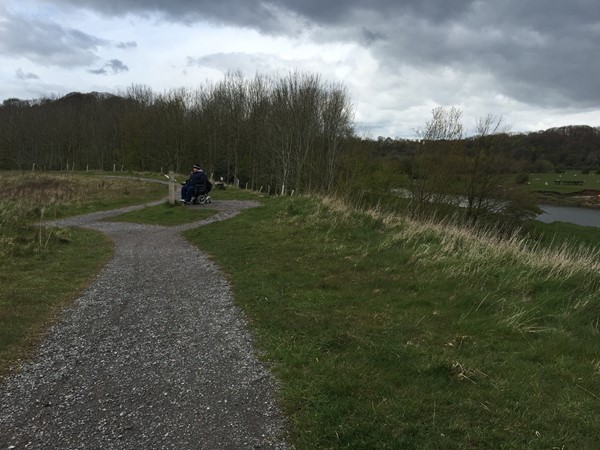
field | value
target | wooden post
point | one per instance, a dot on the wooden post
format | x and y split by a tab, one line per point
171	188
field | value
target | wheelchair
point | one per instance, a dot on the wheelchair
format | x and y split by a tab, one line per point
200	195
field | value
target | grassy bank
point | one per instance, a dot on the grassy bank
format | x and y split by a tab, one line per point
42	269
561	234
388	333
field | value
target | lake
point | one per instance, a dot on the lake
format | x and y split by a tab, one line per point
572	214
579	216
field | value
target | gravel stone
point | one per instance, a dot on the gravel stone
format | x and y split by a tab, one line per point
154	355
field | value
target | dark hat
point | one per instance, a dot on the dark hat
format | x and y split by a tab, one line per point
196	166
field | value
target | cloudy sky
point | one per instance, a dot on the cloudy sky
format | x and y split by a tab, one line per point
536	63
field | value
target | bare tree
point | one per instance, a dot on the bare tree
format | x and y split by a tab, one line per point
337	117
435	163
485	172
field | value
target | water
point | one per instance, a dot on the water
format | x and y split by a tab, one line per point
579	216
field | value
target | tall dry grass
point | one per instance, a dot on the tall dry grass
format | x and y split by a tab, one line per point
466	251
28	199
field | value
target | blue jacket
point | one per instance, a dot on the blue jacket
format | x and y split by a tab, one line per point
196	178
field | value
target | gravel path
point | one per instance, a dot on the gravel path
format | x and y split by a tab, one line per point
154	355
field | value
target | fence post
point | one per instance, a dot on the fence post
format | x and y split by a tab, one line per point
171	188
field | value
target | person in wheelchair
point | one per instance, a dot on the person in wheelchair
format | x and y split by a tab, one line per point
196	188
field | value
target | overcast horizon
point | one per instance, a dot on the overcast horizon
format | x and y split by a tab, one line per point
532	63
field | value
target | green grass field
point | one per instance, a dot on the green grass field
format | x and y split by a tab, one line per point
546	182
386	333
383	332
165	215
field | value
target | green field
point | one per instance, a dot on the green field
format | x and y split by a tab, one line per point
389	333
383	332
546	182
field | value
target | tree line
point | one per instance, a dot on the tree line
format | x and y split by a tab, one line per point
289	133
286	132
555	149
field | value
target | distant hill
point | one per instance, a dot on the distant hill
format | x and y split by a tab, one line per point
558	148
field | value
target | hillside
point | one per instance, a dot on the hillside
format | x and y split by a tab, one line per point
391	333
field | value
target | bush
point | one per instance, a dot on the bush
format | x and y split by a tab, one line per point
522	178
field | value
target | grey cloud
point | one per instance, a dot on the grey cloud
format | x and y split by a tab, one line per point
47	43
538	52
546	59
126	45
263	14
113	66
26	76
371	37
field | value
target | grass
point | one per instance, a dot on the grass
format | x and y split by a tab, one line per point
384	332
168	215
165	215
36	287
560	234
566	195
388	333
50	195
42	269
545	182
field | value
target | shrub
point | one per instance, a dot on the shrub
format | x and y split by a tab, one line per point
522	178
